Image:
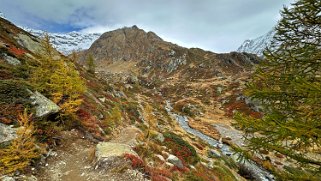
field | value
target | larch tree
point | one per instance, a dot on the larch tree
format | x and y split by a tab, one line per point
91	64
288	85
58	78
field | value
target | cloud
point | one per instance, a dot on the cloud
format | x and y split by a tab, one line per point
217	25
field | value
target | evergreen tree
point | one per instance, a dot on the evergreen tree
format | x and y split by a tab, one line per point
288	85
58	78
91	64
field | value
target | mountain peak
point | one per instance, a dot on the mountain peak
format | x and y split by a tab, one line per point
135	27
2	15
257	45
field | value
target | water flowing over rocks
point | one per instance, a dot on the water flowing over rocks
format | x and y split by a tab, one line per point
256	171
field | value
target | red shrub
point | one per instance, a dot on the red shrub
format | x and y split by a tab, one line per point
158	174
135	160
256	115
158	178
90	123
17	51
183	170
155	174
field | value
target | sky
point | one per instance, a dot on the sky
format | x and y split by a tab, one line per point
216	25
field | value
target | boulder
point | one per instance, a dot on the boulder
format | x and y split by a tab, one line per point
102	99
31	44
132	79
12	60
175	161
160	137
7	133
214	153
111	155
43	105
160	158
7	178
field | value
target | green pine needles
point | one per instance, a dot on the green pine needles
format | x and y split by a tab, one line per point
288	85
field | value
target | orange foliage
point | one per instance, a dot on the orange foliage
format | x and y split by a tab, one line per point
135	160
90	122
17	51
156	174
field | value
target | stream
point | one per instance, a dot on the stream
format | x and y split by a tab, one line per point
257	172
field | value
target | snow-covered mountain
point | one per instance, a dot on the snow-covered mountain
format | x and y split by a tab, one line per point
2	15
65	42
68	42
257	45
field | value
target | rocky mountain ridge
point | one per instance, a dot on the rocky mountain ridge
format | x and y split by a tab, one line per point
131	49
66	43
257	45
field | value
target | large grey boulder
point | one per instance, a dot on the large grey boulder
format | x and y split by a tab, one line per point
31	44
7	133
175	161
12	60
109	155
7	178
43	105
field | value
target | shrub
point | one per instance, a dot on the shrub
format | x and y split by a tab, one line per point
181	148
16	51
23	150
155	174
135	160
13	91
90	122
112	120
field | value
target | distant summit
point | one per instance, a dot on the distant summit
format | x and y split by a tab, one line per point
257	45
2	15
66	43
131	49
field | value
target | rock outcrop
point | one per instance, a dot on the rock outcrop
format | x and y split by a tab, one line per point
7	133
43	105
110	155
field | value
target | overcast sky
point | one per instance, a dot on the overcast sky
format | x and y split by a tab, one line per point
216	25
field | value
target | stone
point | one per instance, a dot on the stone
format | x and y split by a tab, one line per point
160	137
192	167
31	178
102	99
219	90
175	161
43	105
132	79
110	155
7	133
161	158
12	60
214	153
128	86
7	178
169	164
29	43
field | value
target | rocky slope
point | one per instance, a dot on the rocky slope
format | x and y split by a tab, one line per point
132	49
257	45
121	130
